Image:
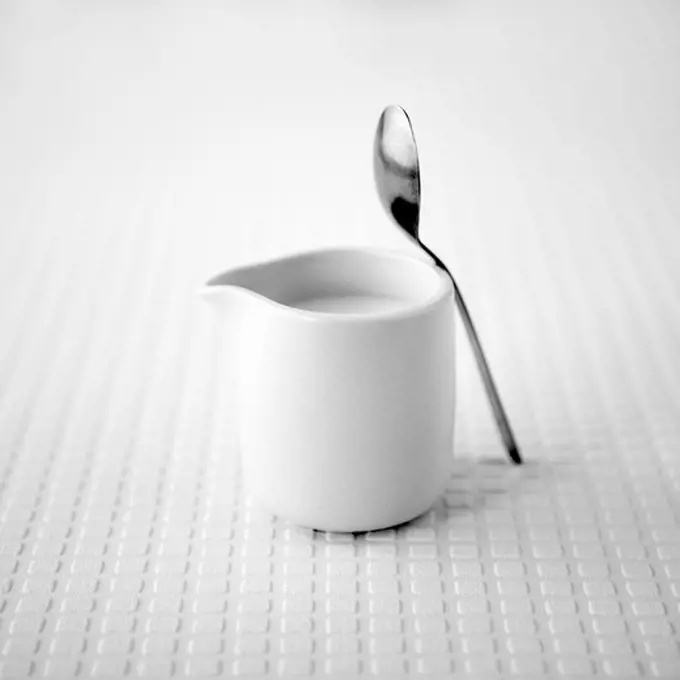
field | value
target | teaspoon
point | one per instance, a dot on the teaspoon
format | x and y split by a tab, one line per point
397	177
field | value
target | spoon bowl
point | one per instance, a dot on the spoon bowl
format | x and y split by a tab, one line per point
397	171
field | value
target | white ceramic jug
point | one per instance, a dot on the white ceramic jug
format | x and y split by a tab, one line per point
345	369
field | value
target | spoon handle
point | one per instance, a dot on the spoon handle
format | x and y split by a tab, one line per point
483	366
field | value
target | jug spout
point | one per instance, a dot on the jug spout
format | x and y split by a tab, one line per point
234	291
223	300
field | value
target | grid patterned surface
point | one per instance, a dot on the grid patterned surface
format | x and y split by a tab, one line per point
127	544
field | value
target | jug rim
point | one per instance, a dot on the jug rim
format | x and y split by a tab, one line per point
442	288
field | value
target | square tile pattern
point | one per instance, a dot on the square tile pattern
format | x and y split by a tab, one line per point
128	547
541	571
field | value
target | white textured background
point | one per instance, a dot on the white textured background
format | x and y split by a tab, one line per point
146	145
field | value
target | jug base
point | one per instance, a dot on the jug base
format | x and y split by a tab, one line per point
348	526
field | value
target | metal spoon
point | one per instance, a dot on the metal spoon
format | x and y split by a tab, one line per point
397	177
